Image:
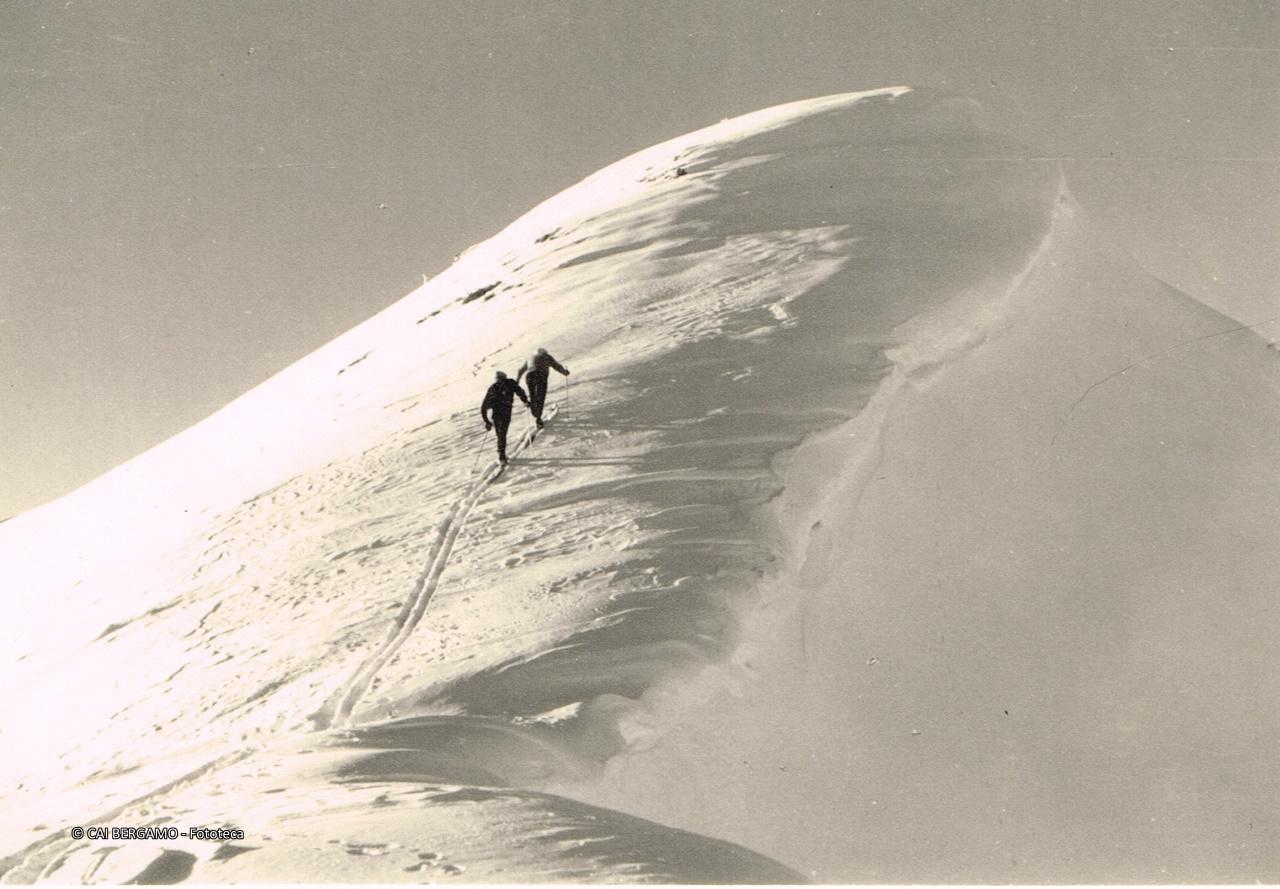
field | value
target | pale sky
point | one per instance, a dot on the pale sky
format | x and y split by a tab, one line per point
194	195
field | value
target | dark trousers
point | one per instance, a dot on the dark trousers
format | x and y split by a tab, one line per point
537	381
500	424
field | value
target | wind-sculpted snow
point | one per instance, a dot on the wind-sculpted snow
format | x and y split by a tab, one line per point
322	615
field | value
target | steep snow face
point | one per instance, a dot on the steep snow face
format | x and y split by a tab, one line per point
327	595
1028	629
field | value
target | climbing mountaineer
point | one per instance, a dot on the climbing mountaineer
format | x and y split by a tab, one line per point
498	402
539	368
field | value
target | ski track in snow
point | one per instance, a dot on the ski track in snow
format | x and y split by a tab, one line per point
416	605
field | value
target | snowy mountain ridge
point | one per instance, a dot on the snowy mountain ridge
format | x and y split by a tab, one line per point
856	394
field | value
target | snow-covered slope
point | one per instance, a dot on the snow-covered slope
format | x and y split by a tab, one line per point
893	527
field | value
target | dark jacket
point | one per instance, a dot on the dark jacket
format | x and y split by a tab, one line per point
498	398
541	363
